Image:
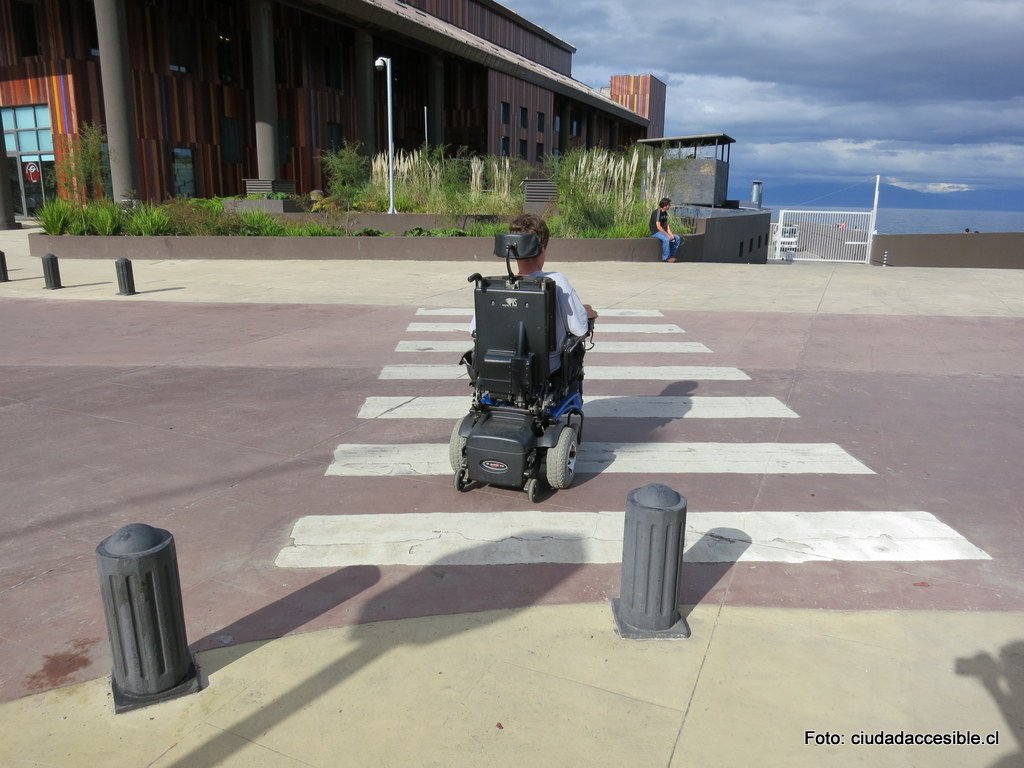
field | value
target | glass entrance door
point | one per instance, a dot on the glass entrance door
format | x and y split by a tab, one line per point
30	162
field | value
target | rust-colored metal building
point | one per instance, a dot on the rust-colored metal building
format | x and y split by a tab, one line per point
198	96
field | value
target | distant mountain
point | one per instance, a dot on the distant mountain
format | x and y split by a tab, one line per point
861	196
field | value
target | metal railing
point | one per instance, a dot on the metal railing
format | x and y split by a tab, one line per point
822	236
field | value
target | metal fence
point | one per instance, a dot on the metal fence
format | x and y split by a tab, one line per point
822	236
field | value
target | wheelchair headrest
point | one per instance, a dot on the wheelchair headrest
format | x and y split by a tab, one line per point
522	245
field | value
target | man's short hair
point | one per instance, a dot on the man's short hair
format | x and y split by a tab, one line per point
664	201
534	224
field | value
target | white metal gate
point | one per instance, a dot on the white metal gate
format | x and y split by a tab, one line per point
822	236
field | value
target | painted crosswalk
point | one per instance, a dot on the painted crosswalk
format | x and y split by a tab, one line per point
604	328
439	372
505	538
380	460
538	536
604	347
463	312
600	406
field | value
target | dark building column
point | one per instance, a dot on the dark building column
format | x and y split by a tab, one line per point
363	78
592	130
436	98
116	78
264	87
614	141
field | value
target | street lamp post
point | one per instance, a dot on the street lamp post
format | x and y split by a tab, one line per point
383	62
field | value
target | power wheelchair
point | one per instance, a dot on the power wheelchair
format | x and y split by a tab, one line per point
525	421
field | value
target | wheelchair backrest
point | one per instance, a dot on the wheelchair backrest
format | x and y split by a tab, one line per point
515	334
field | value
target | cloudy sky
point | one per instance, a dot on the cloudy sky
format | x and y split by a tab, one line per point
929	95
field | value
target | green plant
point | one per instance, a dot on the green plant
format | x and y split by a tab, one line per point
256	223
55	216
103	217
148	220
438	232
347	170
80	167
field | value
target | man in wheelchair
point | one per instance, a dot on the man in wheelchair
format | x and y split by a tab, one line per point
526	367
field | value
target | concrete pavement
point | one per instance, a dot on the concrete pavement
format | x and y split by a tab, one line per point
552	684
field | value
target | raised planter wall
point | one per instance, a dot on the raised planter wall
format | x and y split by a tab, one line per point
318	248
983	250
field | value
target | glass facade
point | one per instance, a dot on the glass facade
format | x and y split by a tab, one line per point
28	138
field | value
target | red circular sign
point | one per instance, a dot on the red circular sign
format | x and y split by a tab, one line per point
32	172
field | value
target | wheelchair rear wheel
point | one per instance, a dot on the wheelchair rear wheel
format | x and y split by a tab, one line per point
561	460
456	448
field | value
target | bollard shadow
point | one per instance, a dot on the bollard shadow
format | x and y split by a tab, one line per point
370	645
163	290
1003	679
707	562
287	614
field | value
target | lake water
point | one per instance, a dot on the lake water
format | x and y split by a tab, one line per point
911	221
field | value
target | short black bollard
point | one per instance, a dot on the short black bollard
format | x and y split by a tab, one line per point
125	278
51	272
3	268
652	555
138	571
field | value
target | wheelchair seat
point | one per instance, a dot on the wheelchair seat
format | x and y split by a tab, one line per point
526	416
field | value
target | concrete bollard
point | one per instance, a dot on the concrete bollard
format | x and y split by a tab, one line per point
125	278
138	572
51	272
3	268
652	555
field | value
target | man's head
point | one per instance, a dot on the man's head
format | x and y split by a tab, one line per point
664	203
532	224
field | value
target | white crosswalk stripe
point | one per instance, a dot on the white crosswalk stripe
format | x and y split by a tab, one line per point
504	538
600	406
605	347
593	373
379	460
463	312
603	328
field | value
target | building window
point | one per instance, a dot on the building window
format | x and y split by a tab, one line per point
227	58
332	67
506	112
284	141
556	124
93	35
540	151
184	167
26	27
334	138
230	140
505	150
574	127
180	46
540	122
524	117
522	149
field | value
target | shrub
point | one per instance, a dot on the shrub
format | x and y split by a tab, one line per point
347	170
103	217
148	221
257	223
55	216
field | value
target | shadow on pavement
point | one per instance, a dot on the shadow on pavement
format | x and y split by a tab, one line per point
324	678
1004	681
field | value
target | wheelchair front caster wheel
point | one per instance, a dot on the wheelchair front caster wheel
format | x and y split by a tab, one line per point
461	480
533	490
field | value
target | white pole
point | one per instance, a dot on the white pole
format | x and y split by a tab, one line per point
383	62
874	218
425	133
